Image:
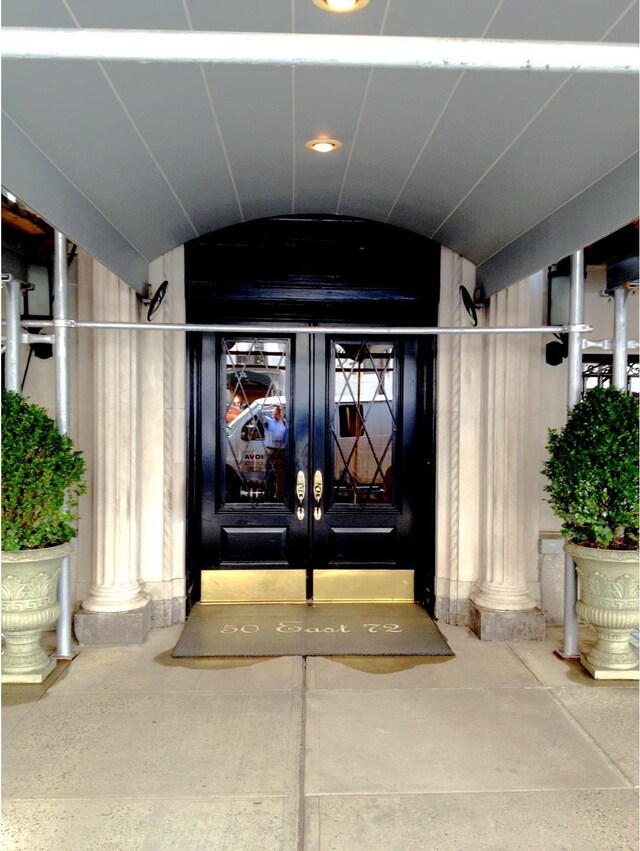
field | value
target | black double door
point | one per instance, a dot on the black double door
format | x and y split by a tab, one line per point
314	454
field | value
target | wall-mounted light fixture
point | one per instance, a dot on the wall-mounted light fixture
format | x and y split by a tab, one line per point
558	293
35	280
153	300
558	288
323	146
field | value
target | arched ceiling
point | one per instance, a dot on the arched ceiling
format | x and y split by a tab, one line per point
512	169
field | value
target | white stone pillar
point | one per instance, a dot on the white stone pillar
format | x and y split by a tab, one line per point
163	465
510	372
458	454
116	586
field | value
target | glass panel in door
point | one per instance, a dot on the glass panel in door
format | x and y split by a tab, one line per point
363	422
255	436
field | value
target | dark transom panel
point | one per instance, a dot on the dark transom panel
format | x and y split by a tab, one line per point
315	269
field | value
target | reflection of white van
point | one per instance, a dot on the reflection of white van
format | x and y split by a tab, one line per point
367	457
246	451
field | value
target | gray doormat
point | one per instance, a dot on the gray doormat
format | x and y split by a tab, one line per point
326	629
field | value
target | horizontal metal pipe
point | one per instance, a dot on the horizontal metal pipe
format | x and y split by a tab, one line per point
263	48
302	329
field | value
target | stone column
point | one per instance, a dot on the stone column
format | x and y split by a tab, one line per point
163	470
502	606
117	610
459	403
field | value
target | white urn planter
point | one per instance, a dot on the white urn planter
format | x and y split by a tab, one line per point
608	582
29	606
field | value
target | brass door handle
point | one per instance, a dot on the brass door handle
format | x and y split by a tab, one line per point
301	489
317	494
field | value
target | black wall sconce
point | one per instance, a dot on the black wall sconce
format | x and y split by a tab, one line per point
558	294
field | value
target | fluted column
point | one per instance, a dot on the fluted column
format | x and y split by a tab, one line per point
116	586
163	472
506	550
459	365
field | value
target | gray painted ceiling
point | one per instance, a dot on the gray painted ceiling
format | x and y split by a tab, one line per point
511	169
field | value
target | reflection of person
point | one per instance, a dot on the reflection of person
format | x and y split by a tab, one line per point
275	433
275	430
233	409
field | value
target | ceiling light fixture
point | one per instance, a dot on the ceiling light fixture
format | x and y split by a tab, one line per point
341	5
323	146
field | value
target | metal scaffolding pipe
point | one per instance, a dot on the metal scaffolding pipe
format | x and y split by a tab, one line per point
576	318
12	378
620	296
264	48
61	355
303	329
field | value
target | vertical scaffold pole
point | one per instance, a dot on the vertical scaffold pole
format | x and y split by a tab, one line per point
12	379
61	350
576	317
620	295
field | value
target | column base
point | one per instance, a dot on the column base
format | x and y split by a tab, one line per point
491	625
113	627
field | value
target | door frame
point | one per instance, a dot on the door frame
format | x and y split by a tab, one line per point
421	446
336	270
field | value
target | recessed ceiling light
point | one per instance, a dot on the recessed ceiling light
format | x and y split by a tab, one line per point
323	146
341	5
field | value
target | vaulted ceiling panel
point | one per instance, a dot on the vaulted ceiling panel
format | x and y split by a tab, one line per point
471	135
253	108
149	94
573	161
149	155
386	152
245	16
567	20
76	119
124	14
319	178
35	13
458	18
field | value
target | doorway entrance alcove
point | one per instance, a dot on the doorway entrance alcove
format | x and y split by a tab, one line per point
343	507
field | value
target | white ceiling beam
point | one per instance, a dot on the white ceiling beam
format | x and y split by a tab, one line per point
249	48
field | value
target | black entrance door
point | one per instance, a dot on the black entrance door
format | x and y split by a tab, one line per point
348	486
309	453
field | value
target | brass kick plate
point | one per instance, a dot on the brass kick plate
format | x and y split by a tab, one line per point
371	586
253	586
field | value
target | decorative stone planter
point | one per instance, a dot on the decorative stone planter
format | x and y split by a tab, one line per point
29	606
608	582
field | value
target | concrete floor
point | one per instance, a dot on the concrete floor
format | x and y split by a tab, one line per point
504	746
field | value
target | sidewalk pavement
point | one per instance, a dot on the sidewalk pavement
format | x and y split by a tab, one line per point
505	747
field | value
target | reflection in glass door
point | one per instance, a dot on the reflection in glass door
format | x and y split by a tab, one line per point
256	435
363	422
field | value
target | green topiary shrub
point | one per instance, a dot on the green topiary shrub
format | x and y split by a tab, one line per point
39	467
592	470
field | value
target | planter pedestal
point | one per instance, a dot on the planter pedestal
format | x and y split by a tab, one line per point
29	606
608	582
